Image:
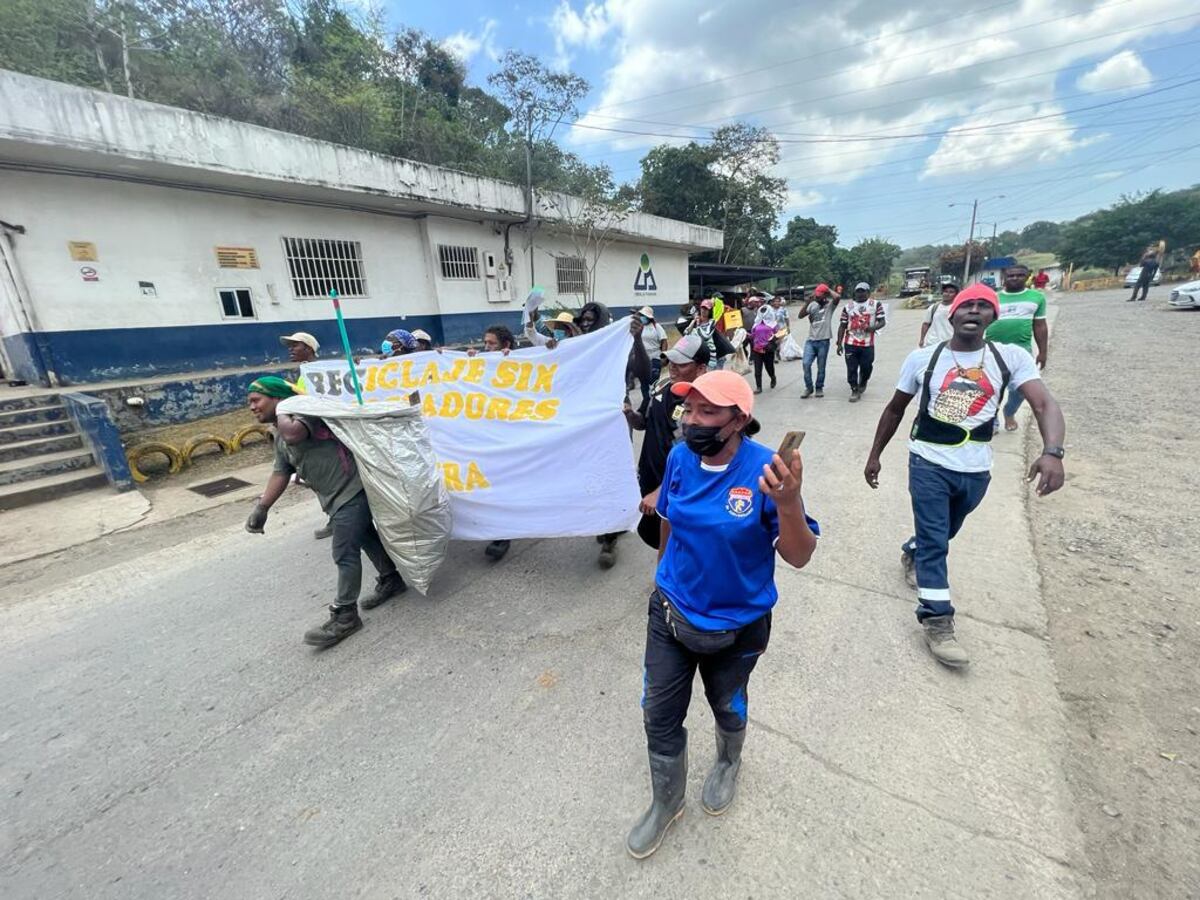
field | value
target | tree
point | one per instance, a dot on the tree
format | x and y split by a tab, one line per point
1006	243
1114	237
811	262
679	183
951	261
801	231
875	255
1041	237
593	217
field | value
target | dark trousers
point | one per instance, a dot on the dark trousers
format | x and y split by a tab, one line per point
655	372
353	533
766	358
860	361
670	669
818	352
941	502
1142	285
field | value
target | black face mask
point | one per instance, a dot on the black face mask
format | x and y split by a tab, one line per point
705	440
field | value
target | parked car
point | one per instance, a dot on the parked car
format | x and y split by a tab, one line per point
1133	274
1186	296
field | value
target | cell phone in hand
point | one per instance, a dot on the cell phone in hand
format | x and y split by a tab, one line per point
791	441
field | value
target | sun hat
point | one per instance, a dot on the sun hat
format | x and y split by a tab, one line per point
647	312
564	319
720	388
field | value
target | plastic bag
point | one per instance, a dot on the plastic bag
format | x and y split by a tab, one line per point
399	472
790	349
738	362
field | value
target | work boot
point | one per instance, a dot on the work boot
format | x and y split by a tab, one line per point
496	549
608	553
386	587
721	783
668	779
321	533
820	393
939	635
808	392
854	395
343	622
909	562
773	383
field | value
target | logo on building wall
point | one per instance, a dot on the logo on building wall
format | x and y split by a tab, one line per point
89	273
643	282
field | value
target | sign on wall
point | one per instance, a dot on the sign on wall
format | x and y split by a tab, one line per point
237	257
644	283
89	273
82	251
532	444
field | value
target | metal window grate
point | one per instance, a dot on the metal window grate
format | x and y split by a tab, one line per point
236	303
318	264
572	275
459	262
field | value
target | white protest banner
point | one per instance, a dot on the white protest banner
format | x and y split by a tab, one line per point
532	444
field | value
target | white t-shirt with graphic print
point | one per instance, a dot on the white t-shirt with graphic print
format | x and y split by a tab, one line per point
966	398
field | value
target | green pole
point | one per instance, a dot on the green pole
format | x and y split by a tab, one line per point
337	308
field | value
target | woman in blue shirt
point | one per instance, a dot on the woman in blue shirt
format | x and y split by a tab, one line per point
727	504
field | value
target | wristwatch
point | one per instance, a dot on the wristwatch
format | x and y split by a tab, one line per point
1056	452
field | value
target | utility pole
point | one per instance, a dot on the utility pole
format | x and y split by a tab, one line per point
970	241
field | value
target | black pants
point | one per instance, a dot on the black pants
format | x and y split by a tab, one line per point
765	358
354	532
860	361
1142	285
670	669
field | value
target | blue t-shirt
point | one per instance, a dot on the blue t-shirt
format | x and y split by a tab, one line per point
719	566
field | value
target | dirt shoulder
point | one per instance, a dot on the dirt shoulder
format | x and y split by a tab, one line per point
1118	555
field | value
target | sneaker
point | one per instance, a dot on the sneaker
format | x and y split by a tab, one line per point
808	392
909	563
386	587
608	553
321	533
939	635
854	395
496	549
820	393
343	622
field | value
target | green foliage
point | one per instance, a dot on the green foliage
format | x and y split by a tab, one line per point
951	261
1119	235
875	256
1040	237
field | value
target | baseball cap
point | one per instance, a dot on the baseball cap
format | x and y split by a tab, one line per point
975	292
822	290
862	286
710	302
301	337
689	349
421	335
647	312
720	388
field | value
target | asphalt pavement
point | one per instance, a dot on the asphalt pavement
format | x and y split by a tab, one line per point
164	733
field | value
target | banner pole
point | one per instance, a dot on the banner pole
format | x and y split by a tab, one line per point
337	308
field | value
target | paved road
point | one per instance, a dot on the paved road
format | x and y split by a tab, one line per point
165	734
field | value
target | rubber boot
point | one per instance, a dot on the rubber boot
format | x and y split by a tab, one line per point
386	587
721	783
343	622
668	780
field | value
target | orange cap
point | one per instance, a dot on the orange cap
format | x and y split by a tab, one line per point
720	388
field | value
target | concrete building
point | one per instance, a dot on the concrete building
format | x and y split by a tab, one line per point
138	240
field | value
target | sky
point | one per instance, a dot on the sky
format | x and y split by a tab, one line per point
888	111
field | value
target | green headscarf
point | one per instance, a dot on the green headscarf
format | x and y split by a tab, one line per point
271	386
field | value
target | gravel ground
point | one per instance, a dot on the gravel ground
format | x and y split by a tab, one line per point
1115	550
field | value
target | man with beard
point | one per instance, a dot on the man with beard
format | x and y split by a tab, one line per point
961	384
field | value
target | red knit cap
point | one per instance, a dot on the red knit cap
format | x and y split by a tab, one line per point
975	292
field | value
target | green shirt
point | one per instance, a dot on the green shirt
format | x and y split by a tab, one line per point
325	465
1017	312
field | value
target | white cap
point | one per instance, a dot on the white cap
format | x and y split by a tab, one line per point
422	336
647	312
862	286
301	337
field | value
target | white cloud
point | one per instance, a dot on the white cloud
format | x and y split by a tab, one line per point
880	68
799	198
466	45
1121	72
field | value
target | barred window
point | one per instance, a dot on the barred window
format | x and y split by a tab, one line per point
318	264
572	275
459	262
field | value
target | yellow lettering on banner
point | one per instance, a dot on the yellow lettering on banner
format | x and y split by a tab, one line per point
546	410
545	378
522	411
475	477
386	377
455	372
431	375
475	405
452	405
498	408
452	476
506	375
429	407
406	375
476	368
368	383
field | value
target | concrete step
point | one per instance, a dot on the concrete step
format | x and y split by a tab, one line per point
32	414
39	466
27	401
15	434
40	446
39	490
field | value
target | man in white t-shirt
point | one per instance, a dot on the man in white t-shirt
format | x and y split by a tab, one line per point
960	384
936	327
654	339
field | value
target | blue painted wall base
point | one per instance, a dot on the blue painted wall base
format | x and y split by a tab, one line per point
91	417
